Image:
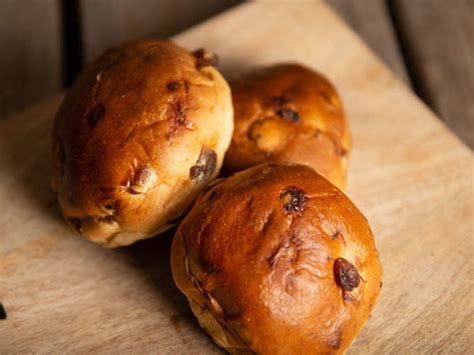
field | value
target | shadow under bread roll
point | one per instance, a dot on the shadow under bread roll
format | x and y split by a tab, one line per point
277	260
141	132
288	113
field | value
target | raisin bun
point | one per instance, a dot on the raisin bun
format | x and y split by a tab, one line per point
288	113
290	267
141	132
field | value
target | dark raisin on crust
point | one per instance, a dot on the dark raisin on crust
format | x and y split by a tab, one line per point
173	86
75	223
95	114
204	58
294	201
109	206
288	114
205	165
3	313
212	196
346	275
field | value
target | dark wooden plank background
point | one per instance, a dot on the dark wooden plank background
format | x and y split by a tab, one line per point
30	53
371	20
438	39
427	43
106	22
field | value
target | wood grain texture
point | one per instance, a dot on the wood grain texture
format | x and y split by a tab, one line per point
439	40
107	22
410	176
371	20
30	56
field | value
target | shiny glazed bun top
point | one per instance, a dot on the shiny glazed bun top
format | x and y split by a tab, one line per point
141	132
288	113
276	260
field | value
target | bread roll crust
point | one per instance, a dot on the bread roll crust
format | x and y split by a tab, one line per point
276	260
140	133
288	113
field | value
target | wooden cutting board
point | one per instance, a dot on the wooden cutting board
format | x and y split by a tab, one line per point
411	177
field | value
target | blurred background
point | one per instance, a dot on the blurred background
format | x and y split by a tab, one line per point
428	44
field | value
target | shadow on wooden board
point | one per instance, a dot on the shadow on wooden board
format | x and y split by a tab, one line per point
151	257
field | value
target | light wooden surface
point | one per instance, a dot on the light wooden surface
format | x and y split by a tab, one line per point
408	174
30	53
439	38
107	22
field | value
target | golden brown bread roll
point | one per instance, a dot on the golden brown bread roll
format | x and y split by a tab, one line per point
288	113
140	133
277	260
